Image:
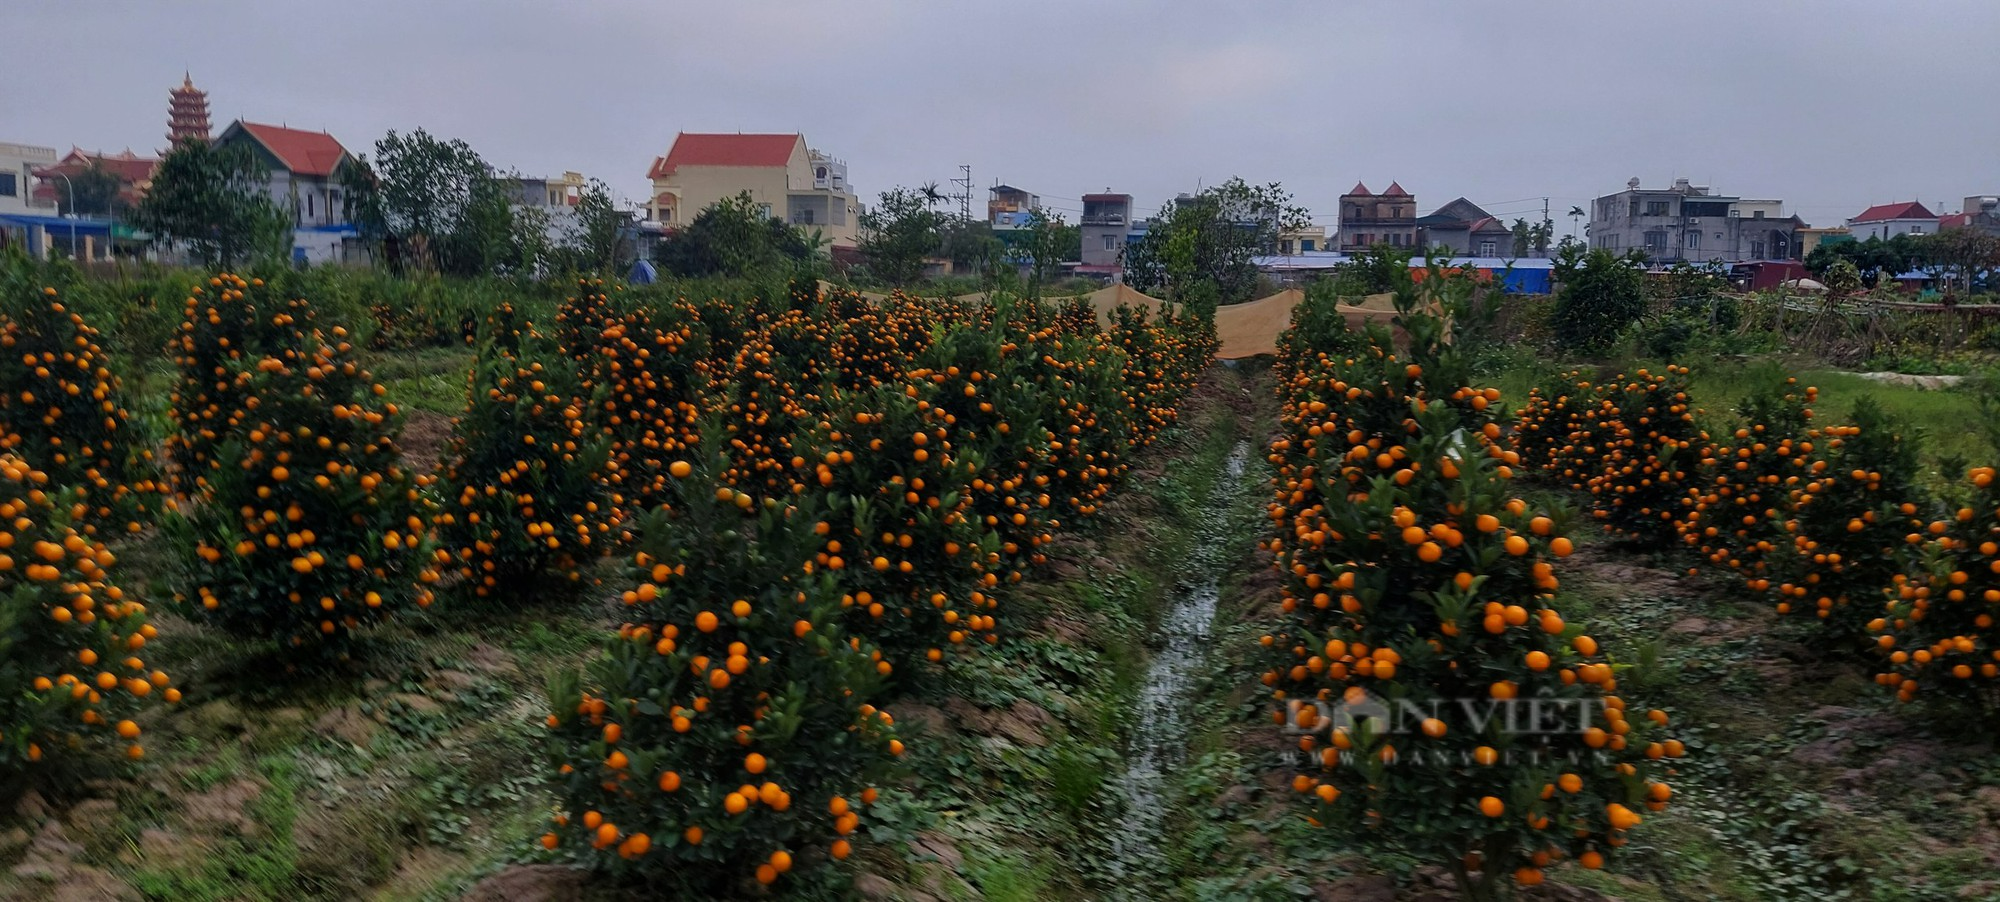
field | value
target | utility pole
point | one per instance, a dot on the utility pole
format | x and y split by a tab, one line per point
1544	228
964	182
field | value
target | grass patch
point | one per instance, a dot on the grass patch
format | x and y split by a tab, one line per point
431	379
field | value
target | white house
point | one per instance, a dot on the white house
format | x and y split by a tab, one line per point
305	182
1886	221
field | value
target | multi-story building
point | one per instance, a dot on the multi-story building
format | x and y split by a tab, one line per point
1106	223
1368	219
784	177
1688	223
1302	241
1465	228
562	191
1008	207
305	171
1981	211
18	163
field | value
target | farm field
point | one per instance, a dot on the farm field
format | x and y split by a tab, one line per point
613	593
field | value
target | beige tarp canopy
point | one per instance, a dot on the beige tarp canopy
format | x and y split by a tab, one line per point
826	287
1112	297
1252	328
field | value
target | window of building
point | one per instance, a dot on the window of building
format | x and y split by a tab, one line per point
309	206
1486	248
1756	250
1693	240
1656	208
1110	242
764	211
1757	215
806	216
1656	242
9	185
1306	245
1634	212
1916	230
1285	246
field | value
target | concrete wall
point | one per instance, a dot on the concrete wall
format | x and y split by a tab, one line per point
1887	229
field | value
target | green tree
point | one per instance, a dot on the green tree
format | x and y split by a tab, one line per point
1211	238
1045	242
732	237
1372	271
900	231
600	229
971	246
90	192
1533	238
1961	258
1871	258
1601	294
434	203
215	201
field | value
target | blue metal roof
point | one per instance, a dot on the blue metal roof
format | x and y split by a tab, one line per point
56	225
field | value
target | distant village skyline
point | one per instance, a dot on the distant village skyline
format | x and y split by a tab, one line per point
1548	101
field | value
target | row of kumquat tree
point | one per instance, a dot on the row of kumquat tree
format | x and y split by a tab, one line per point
1420	617
827	495
1832	520
73	475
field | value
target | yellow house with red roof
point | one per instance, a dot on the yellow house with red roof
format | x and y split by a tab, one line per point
784	177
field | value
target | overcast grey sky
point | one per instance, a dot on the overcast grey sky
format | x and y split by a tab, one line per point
1830	106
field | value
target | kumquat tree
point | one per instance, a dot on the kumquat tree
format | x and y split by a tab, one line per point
71	640
525	489
63	411
1938	634
300	523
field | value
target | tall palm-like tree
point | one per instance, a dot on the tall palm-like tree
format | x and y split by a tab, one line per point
1575	213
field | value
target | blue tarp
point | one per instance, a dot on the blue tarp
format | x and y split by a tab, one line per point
642	273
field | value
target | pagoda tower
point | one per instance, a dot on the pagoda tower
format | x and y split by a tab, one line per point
187	112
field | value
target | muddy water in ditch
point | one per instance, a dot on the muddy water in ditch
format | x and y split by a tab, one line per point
1159	743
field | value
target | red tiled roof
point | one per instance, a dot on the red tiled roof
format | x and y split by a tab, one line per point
1360	188
724	150
1395	190
302	152
1954	220
127	166
1907	210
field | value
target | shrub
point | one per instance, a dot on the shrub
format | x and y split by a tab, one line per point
1728	514
525	493
1629	441
62	411
70	639
1939	632
649	379
303	525
726	735
221	329
1845	520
